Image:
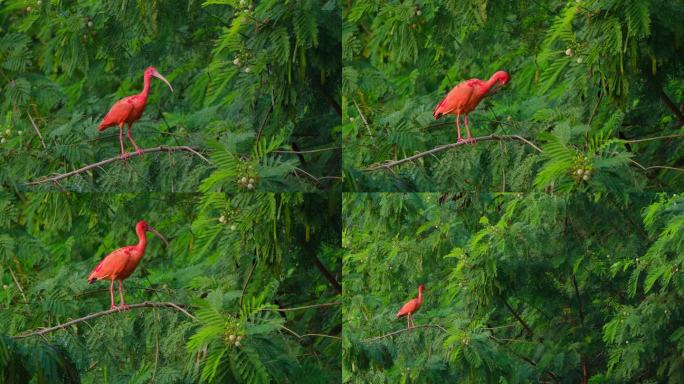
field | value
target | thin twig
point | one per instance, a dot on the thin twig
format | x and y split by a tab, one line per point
36	128
263	123
655	167
117	158
405	330
303	307
390	164
309	334
676	136
363	118
146	304
308	151
249	277
16	281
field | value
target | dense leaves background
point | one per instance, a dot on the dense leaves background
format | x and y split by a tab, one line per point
219	243
520	288
251	78
589	80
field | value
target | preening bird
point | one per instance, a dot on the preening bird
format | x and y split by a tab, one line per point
121	263
411	307
465	97
129	109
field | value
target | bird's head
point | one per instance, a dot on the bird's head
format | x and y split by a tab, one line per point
502	77
421	287
152	71
143	226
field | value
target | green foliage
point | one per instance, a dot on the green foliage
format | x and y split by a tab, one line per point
232	261
594	72
519	288
62	66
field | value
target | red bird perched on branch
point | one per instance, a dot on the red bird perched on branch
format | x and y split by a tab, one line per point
411	307
121	263
129	109
465	97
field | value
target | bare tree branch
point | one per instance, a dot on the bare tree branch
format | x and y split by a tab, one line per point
307	151
58	177
302	307
666	137
671	106
36	128
517	317
393	163
309	334
406	330
146	304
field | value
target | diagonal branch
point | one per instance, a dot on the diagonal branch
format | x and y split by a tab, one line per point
517	317
146	304
390	164
329	276
58	177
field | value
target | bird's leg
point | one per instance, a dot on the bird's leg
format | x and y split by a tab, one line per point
458	127
123	153
123	303
408	321
470	138
137	149
111	294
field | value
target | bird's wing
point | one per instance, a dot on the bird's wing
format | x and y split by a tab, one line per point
112	265
455	100
118	113
459	97
409	307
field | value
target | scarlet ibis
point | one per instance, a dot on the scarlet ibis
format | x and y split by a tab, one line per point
129	109
465	97
411	307
121	263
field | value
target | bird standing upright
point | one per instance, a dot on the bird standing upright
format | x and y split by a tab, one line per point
411	307
129	109
465	97
121	263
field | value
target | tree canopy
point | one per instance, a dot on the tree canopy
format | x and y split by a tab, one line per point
593	85
259	269
519	288
256	83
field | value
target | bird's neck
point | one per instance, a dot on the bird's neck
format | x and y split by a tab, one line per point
146	86
489	83
420	295
142	240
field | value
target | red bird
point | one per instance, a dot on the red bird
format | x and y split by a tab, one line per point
121	263
129	109
411	307
465	97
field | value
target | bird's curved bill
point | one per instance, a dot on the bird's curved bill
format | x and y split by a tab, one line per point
162	78
158	235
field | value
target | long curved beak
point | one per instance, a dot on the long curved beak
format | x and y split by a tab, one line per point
149	228
160	77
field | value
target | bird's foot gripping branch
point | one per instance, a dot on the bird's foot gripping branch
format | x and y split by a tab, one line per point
58	177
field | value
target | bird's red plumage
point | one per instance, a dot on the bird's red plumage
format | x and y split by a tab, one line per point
129	109
464	98
411	307
126	110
